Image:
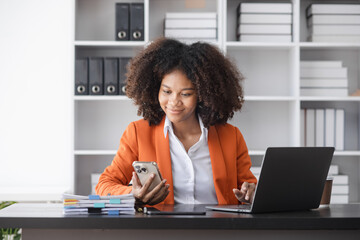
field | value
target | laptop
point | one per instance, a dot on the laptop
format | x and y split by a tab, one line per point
291	179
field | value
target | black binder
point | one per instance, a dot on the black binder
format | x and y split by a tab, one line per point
81	76
96	76
111	72
122	75
137	22
122	21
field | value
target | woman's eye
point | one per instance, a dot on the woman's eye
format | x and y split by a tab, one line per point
166	92
186	94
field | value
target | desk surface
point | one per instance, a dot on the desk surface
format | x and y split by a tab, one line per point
50	216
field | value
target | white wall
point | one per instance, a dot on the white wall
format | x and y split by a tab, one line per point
35	98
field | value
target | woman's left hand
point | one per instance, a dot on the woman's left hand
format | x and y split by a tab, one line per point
246	193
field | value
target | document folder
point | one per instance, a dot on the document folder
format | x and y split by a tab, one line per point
122	21
96	76
111	72
81	76
122	75
137	22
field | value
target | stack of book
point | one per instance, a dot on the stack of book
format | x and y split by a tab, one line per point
333	22
323	127
340	186
95	204
264	22
323	78
191	26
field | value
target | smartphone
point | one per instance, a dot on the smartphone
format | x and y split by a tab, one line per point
144	170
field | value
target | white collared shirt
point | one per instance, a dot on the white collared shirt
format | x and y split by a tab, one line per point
192	171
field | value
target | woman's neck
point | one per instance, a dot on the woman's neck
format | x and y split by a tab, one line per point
187	128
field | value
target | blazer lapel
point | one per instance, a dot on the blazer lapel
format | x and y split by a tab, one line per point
163	159
218	165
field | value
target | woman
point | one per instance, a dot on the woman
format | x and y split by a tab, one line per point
186	94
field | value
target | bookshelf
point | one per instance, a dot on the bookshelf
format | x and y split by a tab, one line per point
271	114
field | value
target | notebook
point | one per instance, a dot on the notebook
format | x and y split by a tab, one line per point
291	179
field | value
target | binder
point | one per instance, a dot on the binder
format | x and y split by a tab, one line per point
96	76
111	71
82	76
122	75
122	21
137	22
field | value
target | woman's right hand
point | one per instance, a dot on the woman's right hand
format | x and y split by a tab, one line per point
144	196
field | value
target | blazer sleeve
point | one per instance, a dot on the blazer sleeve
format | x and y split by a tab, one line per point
116	177
243	161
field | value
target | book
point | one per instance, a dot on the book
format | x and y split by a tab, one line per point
320	82
329	127
94	181
335	30
323	72
320	64
264	29
335	38
340	189
247	7
302	128
333	19
264	38
319	127
190	33
333	170
191	15
340	179
339	129
333	9
339	199
190	23
324	92
310	127
265	18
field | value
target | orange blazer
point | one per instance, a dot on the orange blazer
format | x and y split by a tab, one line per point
140	142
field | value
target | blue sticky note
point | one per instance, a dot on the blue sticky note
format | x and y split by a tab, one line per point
115	201
113	212
94	197
99	205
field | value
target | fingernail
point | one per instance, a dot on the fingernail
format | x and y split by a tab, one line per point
164	181
152	175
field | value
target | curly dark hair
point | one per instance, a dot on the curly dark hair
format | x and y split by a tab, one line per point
215	77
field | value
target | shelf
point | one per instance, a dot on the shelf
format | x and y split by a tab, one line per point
94	152
336	153
249	45
101	98
110	43
331	99
269	98
329	45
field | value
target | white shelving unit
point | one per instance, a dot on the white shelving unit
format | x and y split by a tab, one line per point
271	114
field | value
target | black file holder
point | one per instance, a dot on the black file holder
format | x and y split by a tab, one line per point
111	76
122	75
122	21
96	81
82	76
137	22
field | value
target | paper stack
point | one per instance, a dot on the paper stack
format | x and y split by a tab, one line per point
95	204
323	78
264	22
191	26
334	22
323	127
